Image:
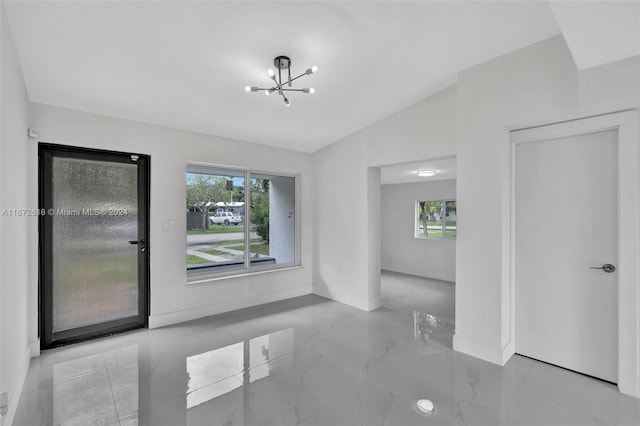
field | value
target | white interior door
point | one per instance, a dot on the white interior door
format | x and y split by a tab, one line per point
566	222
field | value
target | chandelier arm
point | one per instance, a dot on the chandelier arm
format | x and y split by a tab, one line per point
278	86
293	90
301	75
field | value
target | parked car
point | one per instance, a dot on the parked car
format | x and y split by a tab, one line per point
225	218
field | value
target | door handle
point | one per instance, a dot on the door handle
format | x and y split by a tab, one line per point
135	242
607	267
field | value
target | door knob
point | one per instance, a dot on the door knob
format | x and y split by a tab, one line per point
607	267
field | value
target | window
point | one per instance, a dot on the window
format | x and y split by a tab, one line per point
239	221
436	219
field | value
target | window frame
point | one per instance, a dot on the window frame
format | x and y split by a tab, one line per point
416	220
195	276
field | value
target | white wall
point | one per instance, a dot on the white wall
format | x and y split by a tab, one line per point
172	300
535	85
16	233
401	251
347	194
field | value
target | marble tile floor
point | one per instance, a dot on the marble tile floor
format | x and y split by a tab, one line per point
306	361
408	293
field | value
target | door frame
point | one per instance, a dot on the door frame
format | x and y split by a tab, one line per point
46	334
626	123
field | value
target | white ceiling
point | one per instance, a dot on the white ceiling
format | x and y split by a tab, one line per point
598	32
185	64
407	172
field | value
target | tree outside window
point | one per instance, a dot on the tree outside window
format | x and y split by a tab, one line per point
436	219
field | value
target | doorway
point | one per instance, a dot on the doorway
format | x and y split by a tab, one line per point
574	245
418	229
94	243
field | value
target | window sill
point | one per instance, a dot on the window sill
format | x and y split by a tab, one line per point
435	238
206	278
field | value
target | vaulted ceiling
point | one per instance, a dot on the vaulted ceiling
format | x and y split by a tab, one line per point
185	64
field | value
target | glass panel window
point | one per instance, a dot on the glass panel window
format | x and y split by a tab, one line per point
219	239
436	219
215	220
272	219
451	221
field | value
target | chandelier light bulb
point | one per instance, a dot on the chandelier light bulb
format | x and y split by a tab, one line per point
287	102
247	88
271	72
314	68
312	90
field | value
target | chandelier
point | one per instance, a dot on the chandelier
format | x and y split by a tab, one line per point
283	65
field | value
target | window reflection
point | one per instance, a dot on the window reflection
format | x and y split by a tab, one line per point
432	329
219	372
209	375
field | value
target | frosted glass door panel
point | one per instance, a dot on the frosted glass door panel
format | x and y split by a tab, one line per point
95	268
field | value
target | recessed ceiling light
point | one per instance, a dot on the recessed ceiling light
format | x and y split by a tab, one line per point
426	173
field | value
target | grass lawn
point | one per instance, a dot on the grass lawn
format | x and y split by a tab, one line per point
217	229
434	223
433	233
438	234
234	242
195	260
260	248
216	252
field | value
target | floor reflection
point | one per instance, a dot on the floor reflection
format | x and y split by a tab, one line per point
432	329
97	389
217	375
341	367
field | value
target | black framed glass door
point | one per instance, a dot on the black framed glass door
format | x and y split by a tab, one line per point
94	243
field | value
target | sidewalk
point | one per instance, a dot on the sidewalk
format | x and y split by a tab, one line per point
210	238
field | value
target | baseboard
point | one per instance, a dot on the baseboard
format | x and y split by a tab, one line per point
630	390
374	304
368	305
508	351
34	348
14	397
428	276
494	355
163	320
